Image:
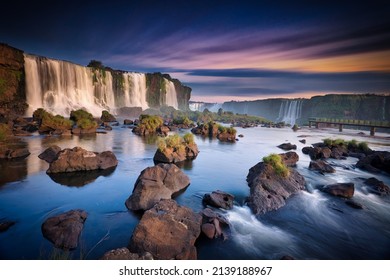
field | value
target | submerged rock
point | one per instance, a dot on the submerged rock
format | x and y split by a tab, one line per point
168	231
4	226
78	159
354	204
377	187
219	199
125	254
345	190
287	146
64	230
14	153
156	183
268	190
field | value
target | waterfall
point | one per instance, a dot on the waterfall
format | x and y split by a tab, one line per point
290	111
135	90
171	96
60	87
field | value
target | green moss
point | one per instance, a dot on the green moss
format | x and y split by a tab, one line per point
86	124
56	122
277	164
364	147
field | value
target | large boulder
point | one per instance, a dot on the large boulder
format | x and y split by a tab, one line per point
376	162
156	183
290	158
171	155
167	231
345	190
79	159
64	230
219	199
268	190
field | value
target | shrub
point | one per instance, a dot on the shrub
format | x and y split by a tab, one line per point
174	141
222	129
277	164
353	144
189	138
231	130
56	122
38	114
80	114
4	131
364	147
86	124
151	123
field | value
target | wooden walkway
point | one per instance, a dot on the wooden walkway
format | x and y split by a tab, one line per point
342	122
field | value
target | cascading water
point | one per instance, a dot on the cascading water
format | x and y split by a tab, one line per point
171	96
290	111
60	86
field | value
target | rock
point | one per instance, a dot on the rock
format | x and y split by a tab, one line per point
287	257
268	190
376	162
14	153
156	183
64	230
128	122
4	226
345	190
226	137
50	154
377	187
171	155
125	254
240	135
287	146
81	131
107	117
168	231
290	158
303	141
356	155
319	153
321	166
307	150
354	204
163	130
208	230
78	159
337	153
219	199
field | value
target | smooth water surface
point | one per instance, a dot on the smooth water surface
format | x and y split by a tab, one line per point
312	225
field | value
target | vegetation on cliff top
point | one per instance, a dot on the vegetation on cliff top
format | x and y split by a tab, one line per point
277	164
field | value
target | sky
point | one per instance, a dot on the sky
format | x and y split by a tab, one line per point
224	50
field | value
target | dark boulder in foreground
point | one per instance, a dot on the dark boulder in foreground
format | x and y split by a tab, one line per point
345	190
268	190
50	154
156	183
287	146
377	186
375	162
125	254
167	231
219	199
78	159
4	226
321	166
64	230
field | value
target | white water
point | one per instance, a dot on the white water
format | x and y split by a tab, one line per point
290	111
171	96
60	87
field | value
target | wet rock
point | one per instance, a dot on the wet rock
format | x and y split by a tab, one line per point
345	190
4	226
168	231
287	146
290	158
338	152
307	150
268	190
125	254
321	166
171	155
287	257
376	162
107	117
79	159
50	154
219	199
155	183
14	153
208	230
377	187
241	135
64	230
128	122
354	204
320	153
303	141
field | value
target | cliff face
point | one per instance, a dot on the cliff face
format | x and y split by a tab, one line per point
341	106
12	82
156	90
33	79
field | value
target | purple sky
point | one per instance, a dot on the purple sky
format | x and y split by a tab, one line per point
224	50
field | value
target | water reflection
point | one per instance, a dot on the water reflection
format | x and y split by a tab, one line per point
79	179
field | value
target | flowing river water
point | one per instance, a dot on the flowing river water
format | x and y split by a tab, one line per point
312	224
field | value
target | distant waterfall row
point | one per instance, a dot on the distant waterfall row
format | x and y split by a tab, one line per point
290	111
60	86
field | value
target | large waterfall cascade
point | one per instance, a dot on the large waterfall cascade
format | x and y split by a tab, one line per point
290	111
60	86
